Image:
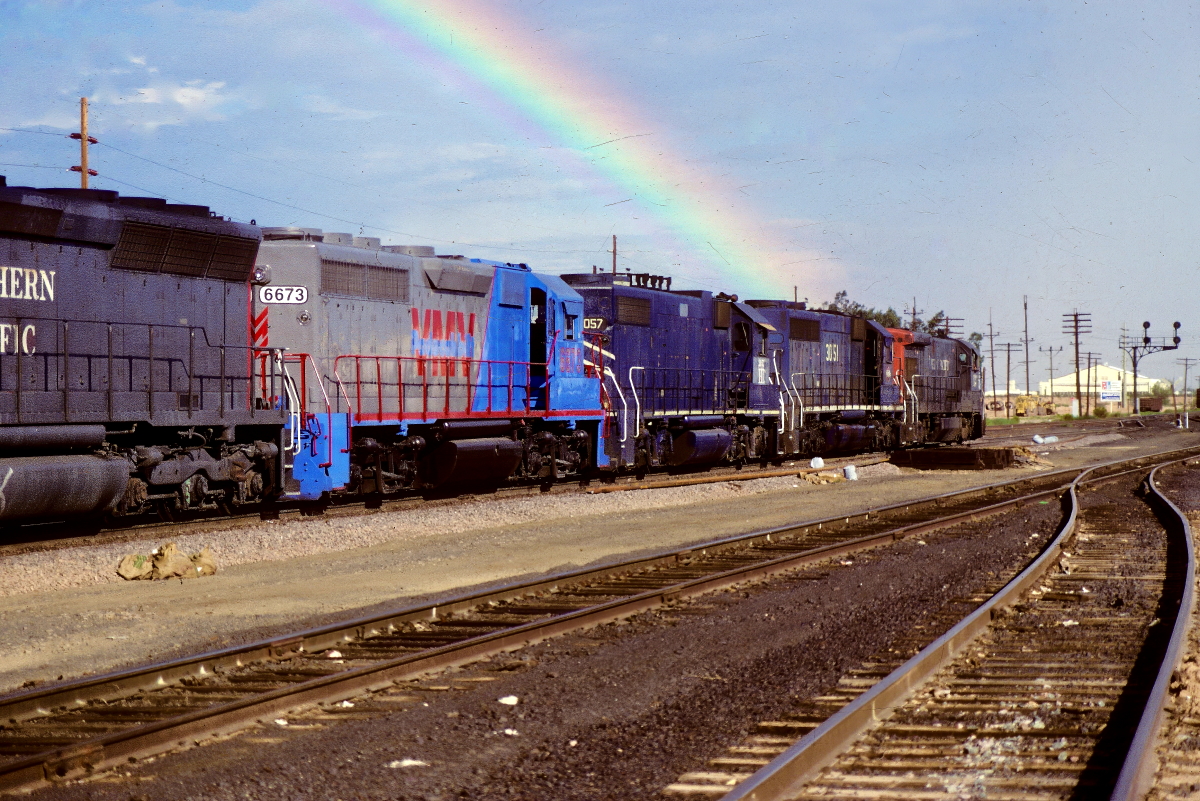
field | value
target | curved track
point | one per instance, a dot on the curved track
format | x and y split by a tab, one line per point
1053	688
85	726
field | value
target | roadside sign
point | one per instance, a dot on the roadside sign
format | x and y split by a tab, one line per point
1110	396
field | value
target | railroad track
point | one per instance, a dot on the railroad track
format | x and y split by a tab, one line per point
1053	688
76	729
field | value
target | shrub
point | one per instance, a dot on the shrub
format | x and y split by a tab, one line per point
1100	411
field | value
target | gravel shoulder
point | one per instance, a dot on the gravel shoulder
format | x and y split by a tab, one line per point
63	613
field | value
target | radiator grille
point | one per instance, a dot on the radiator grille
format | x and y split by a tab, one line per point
387	284
233	258
805	330
141	247
342	278
633	311
189	252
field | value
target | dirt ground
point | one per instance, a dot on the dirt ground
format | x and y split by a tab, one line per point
99	627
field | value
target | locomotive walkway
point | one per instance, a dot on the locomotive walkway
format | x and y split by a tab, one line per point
86	726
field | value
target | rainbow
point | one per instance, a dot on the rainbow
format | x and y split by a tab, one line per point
702	212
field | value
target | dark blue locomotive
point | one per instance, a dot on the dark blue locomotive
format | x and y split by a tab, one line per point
695	378
156	357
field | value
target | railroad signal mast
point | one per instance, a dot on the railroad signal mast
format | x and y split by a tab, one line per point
1076	324
1147	345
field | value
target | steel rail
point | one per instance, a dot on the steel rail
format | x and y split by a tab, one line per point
1141	764
154	737
820	747
144	739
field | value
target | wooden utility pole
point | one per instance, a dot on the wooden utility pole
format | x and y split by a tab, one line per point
614	254
1188	362
1009	347
913	325
1093	360
1077	323
992	334
1050	350
84	141
1026	340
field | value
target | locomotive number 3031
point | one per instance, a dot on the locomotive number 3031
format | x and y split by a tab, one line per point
282	294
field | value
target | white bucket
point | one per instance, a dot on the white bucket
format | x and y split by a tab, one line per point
817	463
850	472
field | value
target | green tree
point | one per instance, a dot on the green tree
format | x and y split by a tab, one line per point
976	339
841	302
1161	389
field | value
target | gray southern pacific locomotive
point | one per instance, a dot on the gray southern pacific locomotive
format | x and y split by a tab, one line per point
155	357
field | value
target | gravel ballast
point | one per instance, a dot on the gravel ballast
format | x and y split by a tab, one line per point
65	613
617	712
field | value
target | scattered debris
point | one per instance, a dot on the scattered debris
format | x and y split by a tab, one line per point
280	722
167	562
512	732
333	654
407	763
509	700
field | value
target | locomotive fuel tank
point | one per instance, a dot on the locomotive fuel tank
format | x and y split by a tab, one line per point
43	438
60	487
706	446
486	460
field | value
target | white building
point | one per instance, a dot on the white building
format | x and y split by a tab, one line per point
1065	385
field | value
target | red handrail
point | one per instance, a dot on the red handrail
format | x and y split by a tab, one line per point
426	367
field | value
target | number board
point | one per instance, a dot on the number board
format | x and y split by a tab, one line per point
282	294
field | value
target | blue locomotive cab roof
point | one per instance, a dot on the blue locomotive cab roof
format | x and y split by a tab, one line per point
754	315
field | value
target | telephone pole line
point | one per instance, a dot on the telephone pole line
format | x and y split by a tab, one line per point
1093	359
1051	350
1026	340
1186	362
1076	324
84	141
1009	347
914	312
992	334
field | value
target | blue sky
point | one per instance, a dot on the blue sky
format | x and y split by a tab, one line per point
962	153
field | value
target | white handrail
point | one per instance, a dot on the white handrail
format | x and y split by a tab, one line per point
289	385
779	382
637	419
624	405
799	398
912	390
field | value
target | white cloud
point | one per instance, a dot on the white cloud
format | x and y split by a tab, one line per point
321	104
